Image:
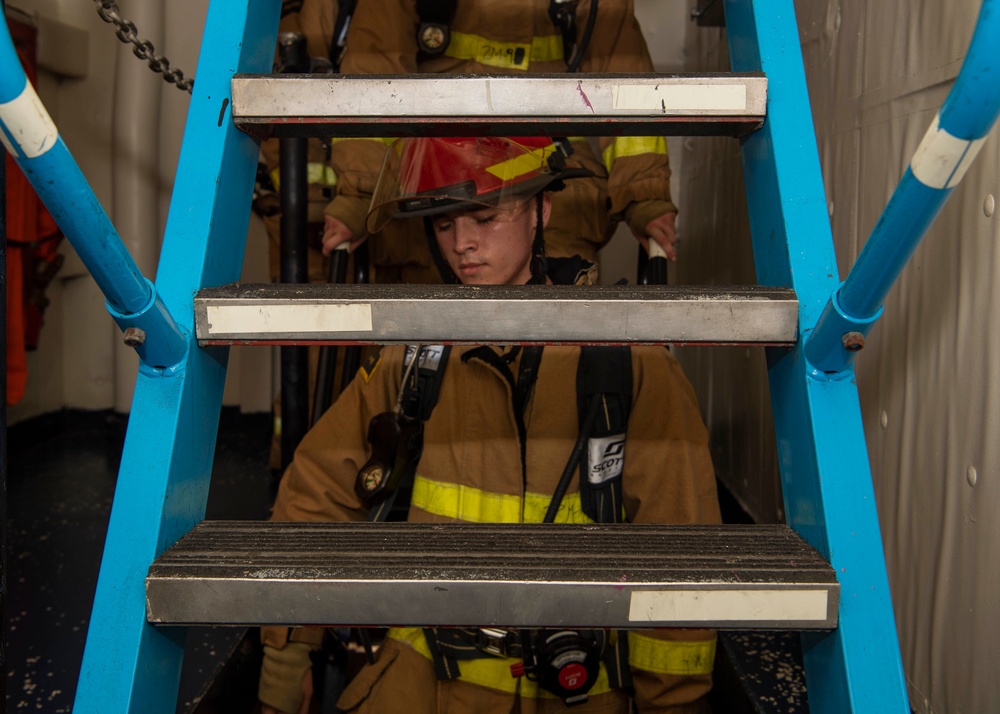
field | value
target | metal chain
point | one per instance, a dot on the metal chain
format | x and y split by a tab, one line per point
143	49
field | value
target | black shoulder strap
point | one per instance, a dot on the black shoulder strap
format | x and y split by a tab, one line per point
562	13
439	11
420	399
345	11
604	373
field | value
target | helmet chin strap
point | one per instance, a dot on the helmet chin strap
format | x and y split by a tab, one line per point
448	276
539	264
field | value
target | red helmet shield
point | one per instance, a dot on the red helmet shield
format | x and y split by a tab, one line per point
426	176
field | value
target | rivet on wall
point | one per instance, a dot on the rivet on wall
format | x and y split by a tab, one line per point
988	205
971	476
884	420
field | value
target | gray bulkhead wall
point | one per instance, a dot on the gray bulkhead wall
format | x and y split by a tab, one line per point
124	126
929	379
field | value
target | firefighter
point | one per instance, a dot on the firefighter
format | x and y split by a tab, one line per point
502	426
630	179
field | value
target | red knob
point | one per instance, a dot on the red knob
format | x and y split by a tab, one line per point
573	676
517	669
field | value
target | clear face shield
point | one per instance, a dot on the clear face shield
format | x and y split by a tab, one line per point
490	176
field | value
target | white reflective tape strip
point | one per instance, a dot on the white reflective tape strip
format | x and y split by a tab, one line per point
29	125
680	97
942	159
287	319
722	606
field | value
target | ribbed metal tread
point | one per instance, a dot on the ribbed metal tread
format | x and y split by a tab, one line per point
243	573
523	105
459	314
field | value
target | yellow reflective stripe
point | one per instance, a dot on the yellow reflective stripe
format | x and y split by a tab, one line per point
322	174
633	146
526	163
386	140
671	656
509	55
316	172
492	672
465	503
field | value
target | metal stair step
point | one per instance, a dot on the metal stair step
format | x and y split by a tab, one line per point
523	105
459	314
509	575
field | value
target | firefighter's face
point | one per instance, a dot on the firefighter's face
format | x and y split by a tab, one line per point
491	246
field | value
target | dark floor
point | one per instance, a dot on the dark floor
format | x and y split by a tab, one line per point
61	478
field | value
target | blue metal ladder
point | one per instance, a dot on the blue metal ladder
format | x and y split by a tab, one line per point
132	665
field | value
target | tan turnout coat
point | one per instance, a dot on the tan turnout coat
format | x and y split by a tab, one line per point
471	470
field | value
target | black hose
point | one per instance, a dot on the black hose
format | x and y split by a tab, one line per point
574	459
574	63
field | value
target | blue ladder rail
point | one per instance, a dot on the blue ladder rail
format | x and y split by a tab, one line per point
825	475
128	664
951	144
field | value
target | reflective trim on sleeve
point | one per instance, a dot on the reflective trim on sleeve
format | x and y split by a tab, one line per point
385	140
671	656
492	672
316	173
322	174
633	146
465	503
508	55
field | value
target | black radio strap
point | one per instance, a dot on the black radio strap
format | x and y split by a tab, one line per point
338	43
421	397
604	373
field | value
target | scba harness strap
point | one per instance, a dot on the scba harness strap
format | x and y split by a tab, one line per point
604	373
563	662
